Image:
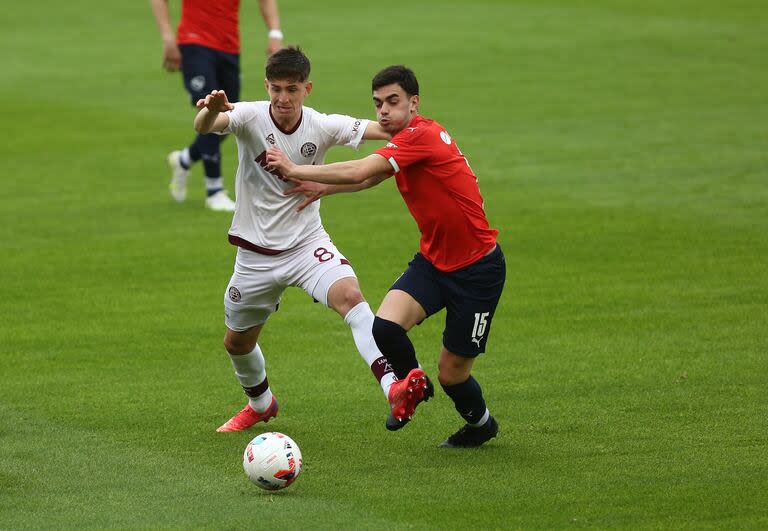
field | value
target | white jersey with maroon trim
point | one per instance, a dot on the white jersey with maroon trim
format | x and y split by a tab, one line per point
264	216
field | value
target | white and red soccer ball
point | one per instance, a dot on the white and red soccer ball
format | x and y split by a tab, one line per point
272	460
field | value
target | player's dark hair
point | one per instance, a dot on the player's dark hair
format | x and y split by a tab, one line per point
288	64
399	74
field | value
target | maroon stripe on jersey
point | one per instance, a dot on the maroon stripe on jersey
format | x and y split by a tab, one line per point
380	367
285	131
344	261
257	390
245	244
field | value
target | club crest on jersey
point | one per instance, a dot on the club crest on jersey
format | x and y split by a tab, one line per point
234	294
308	149
197	83
271	138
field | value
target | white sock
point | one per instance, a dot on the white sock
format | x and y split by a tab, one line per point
251	372
360	320
483	419
184	158
214	183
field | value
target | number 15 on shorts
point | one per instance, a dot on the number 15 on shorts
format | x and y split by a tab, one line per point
478	330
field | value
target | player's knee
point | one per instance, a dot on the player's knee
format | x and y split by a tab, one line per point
386	333
235	344
353	297
230	345
452	371
342	297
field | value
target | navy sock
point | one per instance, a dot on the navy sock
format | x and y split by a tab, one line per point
194	152
206	147
393	342
468	399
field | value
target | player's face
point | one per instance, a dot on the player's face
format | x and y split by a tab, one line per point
287	97
394	108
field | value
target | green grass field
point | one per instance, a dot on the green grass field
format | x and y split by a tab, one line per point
621	150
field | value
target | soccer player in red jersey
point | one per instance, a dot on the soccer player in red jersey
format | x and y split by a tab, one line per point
459	266
206	48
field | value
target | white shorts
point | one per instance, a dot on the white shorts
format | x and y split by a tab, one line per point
257	284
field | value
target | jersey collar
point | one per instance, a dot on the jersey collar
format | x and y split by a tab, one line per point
286	131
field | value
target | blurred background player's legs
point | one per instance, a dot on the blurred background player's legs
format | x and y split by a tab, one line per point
204	70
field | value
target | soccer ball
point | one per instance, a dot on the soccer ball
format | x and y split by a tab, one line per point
272	460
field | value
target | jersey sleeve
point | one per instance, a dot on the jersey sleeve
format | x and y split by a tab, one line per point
406	148
242	113
343	130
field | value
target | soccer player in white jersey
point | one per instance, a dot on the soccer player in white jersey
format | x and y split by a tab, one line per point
279	243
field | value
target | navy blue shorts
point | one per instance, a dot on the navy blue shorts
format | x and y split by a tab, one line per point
205	69
469	295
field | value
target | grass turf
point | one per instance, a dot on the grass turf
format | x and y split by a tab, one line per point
621	151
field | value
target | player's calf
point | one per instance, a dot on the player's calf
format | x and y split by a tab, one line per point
393	342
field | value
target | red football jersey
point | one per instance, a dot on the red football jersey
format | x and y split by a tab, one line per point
442	194
210	23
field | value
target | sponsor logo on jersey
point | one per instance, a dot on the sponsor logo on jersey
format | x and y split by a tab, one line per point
445	137
308	149
391	145
262	161
356	126
271	138
197	83
234	294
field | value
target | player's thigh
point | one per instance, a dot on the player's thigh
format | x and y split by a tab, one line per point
228	74
472	295
199	71
317	266
414	296
253	293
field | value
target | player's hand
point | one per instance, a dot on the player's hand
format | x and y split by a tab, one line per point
278	162
216	101
171	56
312	191
274	45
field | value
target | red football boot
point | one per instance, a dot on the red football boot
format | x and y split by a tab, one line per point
405	394
248	417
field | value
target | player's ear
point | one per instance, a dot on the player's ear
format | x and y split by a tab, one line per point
266	85
309	88
414	103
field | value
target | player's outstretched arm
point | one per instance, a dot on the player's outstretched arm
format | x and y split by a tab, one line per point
271	18
212	117
375	132
171	53
313	191
349	172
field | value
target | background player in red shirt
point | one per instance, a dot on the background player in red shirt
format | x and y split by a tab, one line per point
206	47
460	267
